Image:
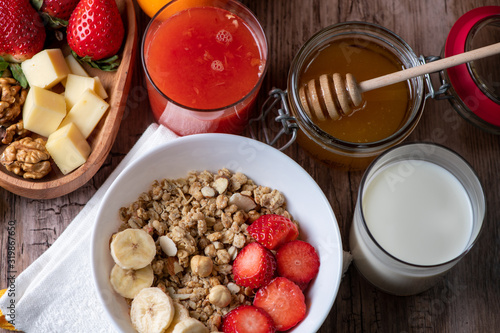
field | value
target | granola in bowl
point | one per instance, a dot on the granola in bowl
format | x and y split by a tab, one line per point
262	164
198	224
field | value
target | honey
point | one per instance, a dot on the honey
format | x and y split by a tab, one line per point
384	110
388	114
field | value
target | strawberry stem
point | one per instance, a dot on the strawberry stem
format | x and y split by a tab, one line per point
108	64
18	74
3	65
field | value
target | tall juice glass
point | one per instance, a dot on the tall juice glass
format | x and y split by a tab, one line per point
204	61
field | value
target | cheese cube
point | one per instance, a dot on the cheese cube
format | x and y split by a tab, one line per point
45	69
86	113
68	148
75	87
43	111
74	66
99	88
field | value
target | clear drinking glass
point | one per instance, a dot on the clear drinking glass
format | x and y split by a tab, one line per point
180	117
379	265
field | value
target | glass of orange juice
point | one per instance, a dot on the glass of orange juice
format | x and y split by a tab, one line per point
204	62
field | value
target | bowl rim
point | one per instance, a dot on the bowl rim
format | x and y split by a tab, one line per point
233	140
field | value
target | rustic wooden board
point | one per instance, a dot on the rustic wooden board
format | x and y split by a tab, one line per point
466	300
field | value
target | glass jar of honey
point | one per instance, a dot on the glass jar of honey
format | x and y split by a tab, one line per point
387	115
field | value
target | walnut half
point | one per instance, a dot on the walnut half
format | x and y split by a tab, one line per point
12	100
27	157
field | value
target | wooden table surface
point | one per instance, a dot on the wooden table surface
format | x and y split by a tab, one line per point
468	297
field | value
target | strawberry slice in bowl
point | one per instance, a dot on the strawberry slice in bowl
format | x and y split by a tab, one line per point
298	261
273	230
254	266
283	301
248	319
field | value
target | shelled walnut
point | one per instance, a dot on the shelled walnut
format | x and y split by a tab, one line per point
14	130
27	157
12	100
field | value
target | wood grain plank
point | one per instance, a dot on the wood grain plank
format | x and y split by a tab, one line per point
467	299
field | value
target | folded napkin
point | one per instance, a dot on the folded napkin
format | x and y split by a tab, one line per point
56	292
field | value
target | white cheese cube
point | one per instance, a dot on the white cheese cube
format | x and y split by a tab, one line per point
68	148
99	88
74	66
45	69
43	111
75	87
86	113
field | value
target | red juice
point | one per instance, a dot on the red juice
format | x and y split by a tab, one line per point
209	62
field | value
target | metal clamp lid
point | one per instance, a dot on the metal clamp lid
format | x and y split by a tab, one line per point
277	100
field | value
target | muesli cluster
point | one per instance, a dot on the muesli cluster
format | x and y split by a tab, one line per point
198	226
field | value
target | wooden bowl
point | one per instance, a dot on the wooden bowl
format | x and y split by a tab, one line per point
117	85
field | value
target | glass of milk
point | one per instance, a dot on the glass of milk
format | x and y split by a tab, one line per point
420	209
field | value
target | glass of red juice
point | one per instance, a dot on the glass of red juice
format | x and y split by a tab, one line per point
204	61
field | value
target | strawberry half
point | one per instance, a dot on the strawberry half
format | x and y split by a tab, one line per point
297	261
22	33
283	301
248	319
95	32
254	266
273	230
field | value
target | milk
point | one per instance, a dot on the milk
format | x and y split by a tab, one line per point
420	215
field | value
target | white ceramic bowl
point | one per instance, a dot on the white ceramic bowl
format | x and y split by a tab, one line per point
261	163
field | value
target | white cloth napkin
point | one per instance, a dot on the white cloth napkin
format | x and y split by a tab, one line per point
55	294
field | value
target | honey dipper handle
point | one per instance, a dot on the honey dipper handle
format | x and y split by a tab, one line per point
430	67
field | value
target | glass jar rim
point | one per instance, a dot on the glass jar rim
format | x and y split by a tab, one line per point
363	183
230	6
464	86
363	28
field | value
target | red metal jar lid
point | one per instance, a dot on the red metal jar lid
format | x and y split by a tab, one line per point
460	76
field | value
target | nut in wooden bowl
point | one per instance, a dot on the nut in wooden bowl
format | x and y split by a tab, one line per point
117	85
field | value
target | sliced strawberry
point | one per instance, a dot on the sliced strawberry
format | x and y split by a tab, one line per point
283	301
254	266
248	319
273	230
297	261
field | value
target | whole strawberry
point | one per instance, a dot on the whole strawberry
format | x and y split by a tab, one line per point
95	32
22	33
58	9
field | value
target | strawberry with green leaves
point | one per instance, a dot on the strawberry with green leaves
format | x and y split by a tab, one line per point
95	33
56	12
22	34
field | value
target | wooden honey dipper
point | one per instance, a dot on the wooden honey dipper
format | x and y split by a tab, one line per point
340	96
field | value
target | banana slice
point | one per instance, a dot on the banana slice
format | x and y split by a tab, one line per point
190	325
152	311
133	248
128	282
181	313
